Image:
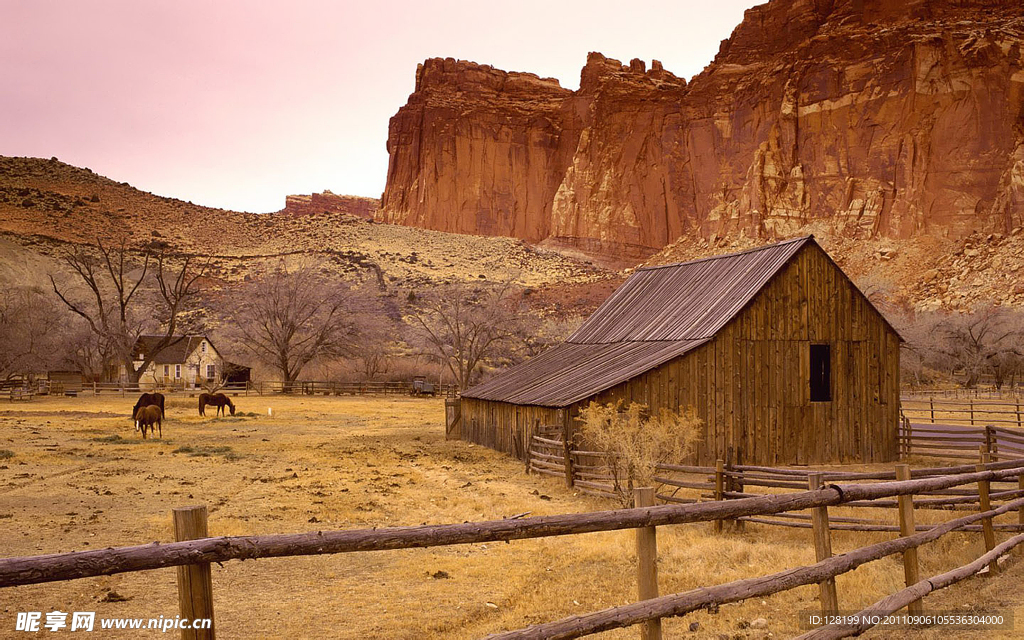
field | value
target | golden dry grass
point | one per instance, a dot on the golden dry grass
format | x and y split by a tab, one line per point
335	463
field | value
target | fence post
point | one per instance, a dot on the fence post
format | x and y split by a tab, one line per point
970	402
1018	413
992	440
911	568
719	488
647	563
822	548
195	584
1020	511
737	486
984	505
931	402
563	415
908	438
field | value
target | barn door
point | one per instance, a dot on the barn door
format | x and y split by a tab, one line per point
453	418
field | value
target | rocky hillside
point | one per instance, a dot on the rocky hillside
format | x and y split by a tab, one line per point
46	204
925	272
869	119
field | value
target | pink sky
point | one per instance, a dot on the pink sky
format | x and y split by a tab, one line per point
237	104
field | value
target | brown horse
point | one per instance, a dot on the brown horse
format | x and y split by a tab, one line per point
149	416
218	400
147	400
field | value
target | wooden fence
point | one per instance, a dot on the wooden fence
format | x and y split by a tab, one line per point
955	442
969	411
299	387
592	473
194	552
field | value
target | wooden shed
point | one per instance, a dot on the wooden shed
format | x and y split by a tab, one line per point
784	359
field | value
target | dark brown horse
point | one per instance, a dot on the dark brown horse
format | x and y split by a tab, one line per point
218	400
148	417
148	400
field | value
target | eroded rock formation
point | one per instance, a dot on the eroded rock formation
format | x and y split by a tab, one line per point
885	118
328	202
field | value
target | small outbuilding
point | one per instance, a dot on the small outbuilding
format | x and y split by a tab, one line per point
783	358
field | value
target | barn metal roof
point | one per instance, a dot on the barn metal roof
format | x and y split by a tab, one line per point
688	300
569	372
659	313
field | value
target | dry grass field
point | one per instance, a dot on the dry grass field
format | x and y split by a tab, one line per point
74	475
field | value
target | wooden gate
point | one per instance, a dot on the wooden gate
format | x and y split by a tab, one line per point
452	419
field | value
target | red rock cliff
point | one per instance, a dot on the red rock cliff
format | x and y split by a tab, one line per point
886	118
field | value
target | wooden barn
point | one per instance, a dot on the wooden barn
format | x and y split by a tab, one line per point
784	359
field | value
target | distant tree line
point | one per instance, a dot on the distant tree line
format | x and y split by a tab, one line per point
982	345
294	320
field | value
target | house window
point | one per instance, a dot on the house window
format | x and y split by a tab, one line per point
177	371
210	371
821	373
202	346
167	370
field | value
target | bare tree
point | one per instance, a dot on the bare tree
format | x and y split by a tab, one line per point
115	306
290	319
469	326
28	332
375	348
982	341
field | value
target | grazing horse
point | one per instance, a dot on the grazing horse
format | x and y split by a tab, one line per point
148	400
149	416
218	400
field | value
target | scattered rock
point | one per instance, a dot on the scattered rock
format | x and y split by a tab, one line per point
759	623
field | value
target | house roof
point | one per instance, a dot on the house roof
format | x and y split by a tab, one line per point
658	314
175	353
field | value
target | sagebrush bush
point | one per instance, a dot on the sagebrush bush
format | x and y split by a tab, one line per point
638	441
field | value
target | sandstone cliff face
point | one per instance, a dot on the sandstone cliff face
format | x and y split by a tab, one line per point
883	119
327	202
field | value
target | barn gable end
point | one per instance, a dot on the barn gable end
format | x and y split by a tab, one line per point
748	378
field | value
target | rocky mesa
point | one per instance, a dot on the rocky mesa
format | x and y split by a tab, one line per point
328	202
881	119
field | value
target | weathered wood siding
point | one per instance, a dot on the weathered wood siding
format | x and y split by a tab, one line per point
503	426
751	384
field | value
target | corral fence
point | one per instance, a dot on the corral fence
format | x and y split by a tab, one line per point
194	550
1006	392
968	411
959	443
298	387
597	473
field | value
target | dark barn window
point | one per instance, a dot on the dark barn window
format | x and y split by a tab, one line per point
821	373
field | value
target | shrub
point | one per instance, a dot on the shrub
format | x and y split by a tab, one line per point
637	441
